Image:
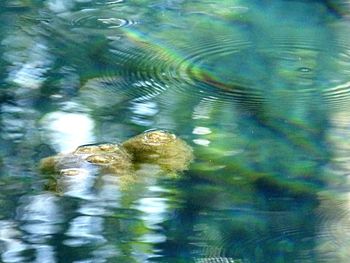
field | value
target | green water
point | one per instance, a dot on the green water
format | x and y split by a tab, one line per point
259	89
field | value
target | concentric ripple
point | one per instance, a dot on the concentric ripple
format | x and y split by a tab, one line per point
234	61
95	19
185	71
246	59
318	67
219	67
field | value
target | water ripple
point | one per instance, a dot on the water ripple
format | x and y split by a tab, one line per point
95	19
218	67
241	232
235	57
153	67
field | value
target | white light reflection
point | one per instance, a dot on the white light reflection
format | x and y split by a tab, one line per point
41	218
154	212
202	142
11	246
59	6
29	75
44	254
80	185
85	230
217	260
66	131
203	109
147	108
154	209
143	112
110	190
29	66
201	130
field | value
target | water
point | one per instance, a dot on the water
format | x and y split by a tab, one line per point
259	89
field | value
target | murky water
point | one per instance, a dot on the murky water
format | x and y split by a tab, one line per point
259	89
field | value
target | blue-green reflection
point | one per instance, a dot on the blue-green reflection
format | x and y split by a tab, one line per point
259	89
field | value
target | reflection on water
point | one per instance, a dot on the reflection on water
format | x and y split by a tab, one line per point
260	91
60	127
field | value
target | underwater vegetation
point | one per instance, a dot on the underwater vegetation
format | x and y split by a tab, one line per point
157	147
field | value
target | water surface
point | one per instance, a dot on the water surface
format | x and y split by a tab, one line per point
259	89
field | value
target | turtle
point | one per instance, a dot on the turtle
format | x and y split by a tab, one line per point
151	152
